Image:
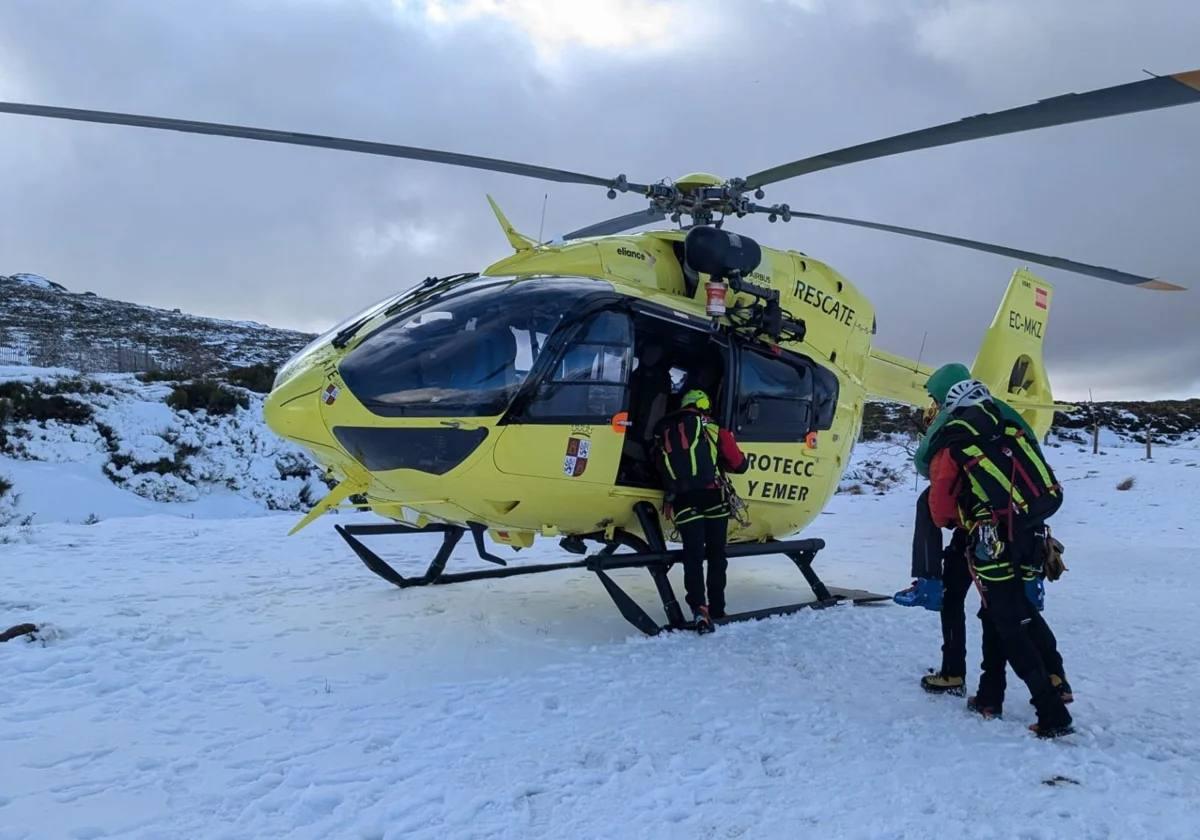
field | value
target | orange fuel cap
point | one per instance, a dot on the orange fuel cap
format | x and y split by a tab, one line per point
810	440
620	422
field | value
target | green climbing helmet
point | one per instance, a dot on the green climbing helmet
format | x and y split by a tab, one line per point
943	378
697	398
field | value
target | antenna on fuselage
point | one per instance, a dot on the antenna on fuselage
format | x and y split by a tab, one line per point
542	226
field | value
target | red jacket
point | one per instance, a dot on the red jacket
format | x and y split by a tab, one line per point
729	455
944	483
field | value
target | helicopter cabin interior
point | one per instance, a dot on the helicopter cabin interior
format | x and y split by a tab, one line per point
763	395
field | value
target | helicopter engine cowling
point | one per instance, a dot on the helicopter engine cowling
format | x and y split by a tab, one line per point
721	253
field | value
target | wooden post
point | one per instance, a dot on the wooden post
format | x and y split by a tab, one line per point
1147	442
1095	423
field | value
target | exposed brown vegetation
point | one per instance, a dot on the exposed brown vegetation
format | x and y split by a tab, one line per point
206	395
29	630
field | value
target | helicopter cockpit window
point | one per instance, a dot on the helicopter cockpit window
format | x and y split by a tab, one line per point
292	364
463	356
783	398
589	381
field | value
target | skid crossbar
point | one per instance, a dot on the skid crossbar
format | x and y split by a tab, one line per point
651	554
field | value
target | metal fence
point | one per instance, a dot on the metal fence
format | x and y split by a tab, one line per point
119	358
11	356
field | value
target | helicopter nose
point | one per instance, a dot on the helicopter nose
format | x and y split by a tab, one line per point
293	409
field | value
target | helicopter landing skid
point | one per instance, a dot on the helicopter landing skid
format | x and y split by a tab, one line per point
644	556
800	552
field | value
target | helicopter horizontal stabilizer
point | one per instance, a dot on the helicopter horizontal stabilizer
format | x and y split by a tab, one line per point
896	378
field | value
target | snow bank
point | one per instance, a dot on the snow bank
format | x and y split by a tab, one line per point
135	453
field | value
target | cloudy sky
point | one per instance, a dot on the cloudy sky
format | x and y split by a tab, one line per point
301	237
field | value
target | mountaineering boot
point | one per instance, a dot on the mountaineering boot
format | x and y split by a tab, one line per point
936	682
703	622
1043	730
985	710
1053	719
924	592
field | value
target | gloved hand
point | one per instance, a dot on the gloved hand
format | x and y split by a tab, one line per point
924	592
1035	591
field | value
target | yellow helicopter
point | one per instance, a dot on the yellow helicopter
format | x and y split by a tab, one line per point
519	401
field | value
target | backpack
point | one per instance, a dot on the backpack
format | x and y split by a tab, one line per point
1006	479
686	452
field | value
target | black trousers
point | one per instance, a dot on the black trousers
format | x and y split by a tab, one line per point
927	542
956	582
930	560
992	680
1015	632
702	520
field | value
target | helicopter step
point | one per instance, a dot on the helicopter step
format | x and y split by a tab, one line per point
650	554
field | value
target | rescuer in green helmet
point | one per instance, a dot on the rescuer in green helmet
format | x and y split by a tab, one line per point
691	453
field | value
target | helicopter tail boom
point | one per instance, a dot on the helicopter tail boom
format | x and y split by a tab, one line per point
892	377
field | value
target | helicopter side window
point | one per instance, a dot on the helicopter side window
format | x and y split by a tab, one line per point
783	398
589	381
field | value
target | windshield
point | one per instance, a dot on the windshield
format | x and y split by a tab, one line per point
362	317
340	333
464	355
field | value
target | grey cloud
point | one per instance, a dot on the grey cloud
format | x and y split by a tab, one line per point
301	237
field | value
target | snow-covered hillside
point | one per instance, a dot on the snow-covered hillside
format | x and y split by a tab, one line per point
209	678
76	448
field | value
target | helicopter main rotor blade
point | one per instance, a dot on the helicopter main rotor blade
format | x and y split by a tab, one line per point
1144	95
618	224
1029	256
295	138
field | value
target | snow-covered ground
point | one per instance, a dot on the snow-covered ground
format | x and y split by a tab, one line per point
212	678
135	455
